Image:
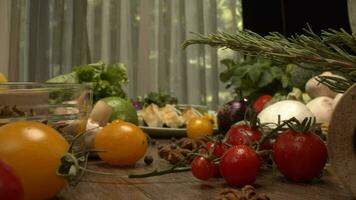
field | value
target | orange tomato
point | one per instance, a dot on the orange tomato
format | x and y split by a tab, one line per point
33	150
122	143
199	127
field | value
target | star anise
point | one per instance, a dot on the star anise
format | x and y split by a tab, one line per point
248	192
173	153
192	144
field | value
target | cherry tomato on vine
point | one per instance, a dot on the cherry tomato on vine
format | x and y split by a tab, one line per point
217	149
199	127
202	168
300	156
34	150
240	165
123	143
10	184
242	134
260	102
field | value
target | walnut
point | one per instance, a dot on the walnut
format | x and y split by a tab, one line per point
248	192
13	111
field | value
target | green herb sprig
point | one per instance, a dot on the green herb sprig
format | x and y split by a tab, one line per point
332	51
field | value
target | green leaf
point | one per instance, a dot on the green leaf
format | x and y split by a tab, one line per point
276	72
236	82
240	72
285	81
228	63
226	75
266	79
254	73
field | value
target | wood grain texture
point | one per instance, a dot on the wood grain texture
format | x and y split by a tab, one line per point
181	186
341	140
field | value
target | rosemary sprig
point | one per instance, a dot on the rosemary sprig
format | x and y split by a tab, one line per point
333	50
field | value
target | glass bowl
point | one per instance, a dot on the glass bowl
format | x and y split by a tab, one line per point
65	107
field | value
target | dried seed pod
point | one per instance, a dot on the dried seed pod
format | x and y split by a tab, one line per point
248	192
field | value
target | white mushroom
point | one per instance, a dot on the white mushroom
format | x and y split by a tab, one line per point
286	109
101	113
336	100
316	89
92	128
322	108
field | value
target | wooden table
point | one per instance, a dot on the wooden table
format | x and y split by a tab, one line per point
184	186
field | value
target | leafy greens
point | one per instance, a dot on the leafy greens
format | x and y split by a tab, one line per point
106	79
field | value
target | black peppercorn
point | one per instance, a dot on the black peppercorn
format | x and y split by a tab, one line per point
148	159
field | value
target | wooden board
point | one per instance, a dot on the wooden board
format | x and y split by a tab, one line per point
182	186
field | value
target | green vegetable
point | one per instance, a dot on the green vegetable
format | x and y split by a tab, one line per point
299	76
158	98
106	79
256	77
121	109
65	78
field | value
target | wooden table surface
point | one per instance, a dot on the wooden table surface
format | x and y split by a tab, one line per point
184	186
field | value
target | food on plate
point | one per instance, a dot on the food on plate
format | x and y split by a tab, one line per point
121	143
151	115
10	185
34	152
230	113
322	108
190	113
199	127
170	116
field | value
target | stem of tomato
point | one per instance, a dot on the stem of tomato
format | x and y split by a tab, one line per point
100	173
158	173
271	134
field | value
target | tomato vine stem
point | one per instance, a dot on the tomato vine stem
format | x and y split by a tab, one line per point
162	172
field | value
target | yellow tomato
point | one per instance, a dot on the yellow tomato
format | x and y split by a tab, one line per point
199	127
33	150
2	78
122	143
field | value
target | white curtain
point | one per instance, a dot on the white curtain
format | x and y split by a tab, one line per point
48	37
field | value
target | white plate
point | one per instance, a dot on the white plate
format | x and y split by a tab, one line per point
166	132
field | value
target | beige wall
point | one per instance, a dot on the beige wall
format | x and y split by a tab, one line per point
4	35
352	14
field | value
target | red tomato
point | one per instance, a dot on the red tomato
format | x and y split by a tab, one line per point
216	149
240	165
202	168
300	156
242	134
10	184
260	103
